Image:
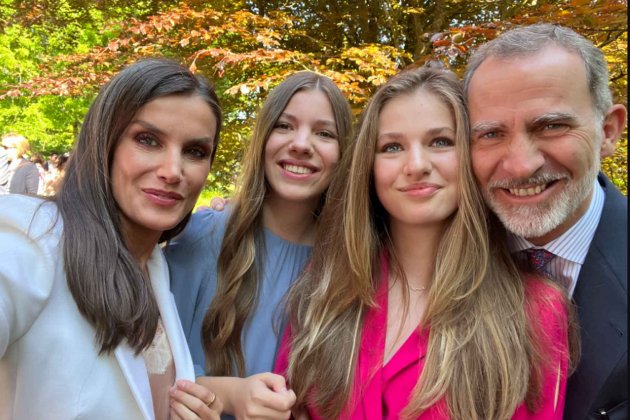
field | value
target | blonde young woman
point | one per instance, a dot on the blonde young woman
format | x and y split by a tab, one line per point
231	269
411	308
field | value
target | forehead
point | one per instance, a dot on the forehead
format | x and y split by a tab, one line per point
419	108
11	141
306	99
552	79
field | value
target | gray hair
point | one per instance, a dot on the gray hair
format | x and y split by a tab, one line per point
527	40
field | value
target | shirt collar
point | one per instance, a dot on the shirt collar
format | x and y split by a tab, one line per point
573	244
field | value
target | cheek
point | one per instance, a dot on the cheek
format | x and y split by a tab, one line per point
575	159
329	154
382	177
451	167
198	175
480	164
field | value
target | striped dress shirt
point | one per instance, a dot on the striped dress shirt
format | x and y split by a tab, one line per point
571	247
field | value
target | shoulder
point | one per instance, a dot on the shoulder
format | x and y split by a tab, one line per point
31	216
29	244
547	305
544	296
193	253
205	225
614	198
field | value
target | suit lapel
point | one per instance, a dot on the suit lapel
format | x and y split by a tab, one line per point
135	373
601	299
158	271
133	366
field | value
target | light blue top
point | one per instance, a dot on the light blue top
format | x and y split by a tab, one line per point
192	259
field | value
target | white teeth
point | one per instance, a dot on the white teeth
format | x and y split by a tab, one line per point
523	192
298	169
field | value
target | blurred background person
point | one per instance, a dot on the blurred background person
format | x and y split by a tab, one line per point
24	176
42	169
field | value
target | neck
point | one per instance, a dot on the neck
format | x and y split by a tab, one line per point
416	249
291	221
140	246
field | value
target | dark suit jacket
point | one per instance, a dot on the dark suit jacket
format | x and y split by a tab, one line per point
600	384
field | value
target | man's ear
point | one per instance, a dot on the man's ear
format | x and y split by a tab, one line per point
612	127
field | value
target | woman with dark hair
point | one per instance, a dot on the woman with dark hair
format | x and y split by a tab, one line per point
88	327
231	269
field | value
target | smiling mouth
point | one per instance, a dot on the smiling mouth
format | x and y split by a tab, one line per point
529	191
300	170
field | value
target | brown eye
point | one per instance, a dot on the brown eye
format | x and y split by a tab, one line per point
147	140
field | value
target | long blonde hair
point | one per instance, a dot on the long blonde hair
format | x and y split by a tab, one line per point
238	267
480	348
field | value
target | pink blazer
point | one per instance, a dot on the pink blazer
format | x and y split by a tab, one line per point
382	392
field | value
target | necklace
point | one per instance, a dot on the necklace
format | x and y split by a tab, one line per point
417	289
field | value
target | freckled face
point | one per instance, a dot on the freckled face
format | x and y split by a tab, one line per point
536	140
161	162
302	151
415	166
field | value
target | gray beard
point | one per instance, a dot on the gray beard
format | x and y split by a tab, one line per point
534	221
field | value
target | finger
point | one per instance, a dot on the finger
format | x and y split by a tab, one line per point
180	411
198	391
274	382
174	415
217	203
196	401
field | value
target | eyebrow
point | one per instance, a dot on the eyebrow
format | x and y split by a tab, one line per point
552	117
486	126
432	132
157	130
319	122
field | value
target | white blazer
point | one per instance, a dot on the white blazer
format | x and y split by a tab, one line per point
49	364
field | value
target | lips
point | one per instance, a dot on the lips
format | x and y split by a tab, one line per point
161	197
530	187
298	168
525	192
420	187
301	170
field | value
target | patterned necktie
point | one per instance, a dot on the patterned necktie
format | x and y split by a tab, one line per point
538	259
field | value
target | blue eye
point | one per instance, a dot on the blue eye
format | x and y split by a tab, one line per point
391	148
442	142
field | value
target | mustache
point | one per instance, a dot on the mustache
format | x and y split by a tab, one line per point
536	179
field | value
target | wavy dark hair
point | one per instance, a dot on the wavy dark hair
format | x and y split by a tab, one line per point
105	280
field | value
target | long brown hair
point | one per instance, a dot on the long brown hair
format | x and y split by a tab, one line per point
238	267
480	346
105	280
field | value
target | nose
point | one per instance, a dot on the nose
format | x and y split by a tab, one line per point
170	168
418	161
301	143
523	157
